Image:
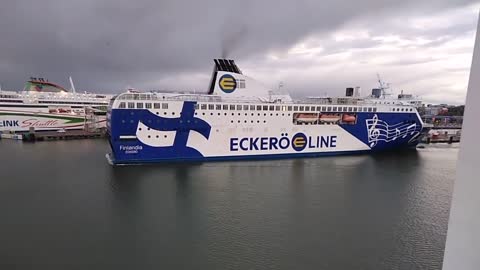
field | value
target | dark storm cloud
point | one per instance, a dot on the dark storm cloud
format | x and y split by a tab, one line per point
109	44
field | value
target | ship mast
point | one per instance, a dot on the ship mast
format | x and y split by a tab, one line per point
71	85
383	86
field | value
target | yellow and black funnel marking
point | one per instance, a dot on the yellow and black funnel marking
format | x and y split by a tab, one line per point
227	83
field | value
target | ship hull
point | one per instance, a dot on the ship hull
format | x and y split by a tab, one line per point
151	136
22	119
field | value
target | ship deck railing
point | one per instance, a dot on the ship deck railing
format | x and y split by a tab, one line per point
335	101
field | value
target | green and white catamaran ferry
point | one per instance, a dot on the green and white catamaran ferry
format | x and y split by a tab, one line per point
43	105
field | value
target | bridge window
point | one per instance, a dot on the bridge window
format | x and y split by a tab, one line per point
239	107
252	107
211	106
164	105
232	107
302	108
374	109
218	107
369	109
122	105
225	107
259	108
295	108
203	106
245	107
139	105
350	109
307	108
265	108
157	106
354	109
148	105
131	105
277	108
289	108
271	108
334	109
329	109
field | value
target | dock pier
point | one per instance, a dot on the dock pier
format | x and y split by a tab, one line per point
443	135
33	136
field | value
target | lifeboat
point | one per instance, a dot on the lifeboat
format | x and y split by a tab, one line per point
62	110
348	118
306	118
329	118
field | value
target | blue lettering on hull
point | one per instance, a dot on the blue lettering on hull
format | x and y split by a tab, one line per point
9	123
298	142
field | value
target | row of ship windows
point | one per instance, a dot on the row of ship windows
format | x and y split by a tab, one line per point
11	100
231	107
53	102
71	102
239	114
140	105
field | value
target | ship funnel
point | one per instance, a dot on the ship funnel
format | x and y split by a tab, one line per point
228	80
222	65
357	91
376	92
349	92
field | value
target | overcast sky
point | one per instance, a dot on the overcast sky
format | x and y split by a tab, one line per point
314	47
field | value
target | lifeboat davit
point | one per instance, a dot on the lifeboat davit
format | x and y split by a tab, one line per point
329	118
306	118
347	118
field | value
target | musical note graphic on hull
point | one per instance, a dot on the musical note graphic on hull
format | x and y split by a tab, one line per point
379	130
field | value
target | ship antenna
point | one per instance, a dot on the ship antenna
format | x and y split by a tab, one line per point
383	86
71	85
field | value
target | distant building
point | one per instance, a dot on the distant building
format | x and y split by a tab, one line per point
436	109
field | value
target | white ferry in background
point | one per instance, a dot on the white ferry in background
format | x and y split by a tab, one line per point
43	105
241	119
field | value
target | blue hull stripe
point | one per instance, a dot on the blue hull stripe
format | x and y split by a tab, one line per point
248	157
124	122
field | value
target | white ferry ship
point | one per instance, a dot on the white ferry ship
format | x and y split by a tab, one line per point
43	105
241	119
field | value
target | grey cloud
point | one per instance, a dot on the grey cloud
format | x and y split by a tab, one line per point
106	45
